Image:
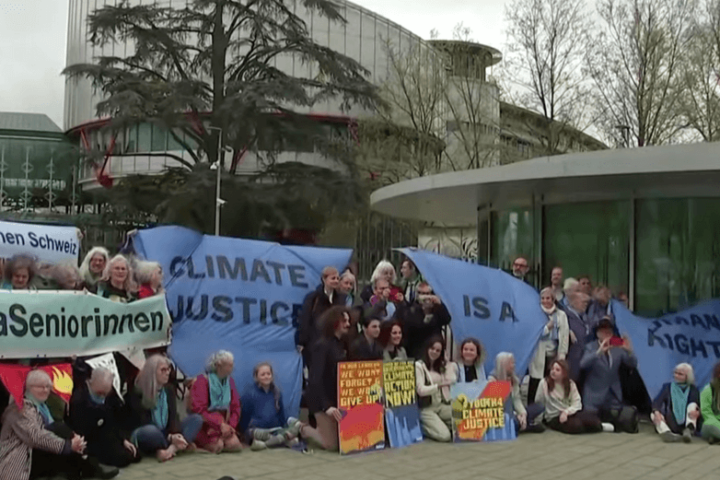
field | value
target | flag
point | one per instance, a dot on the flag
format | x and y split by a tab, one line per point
13	377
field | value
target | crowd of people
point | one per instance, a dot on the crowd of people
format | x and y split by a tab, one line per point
574	380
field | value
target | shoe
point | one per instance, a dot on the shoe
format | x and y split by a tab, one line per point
292	443
537	428
275	441
294	426
687	435
713	440
258	445
670	437
105	471
608	427
262	435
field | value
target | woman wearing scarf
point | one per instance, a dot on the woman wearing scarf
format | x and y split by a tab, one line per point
554	341
33	445
157	429
215	397
710	408
675	410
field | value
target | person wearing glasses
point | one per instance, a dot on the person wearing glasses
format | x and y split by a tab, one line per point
157	428
520	270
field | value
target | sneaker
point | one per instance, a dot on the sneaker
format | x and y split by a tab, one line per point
687	435
275	441
262	435
294	426
608	427
670	437
258	445
292	443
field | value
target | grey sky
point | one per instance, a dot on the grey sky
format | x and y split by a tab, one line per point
33	36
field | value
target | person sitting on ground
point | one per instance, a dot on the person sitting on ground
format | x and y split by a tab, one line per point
563	406
117	283
347	288
33	444
321	394
410	280
92	268
150	277
391	337
153	413
676	409
423	319
385	270
710	408
19	272
434	377
367	346
472	356
215	398
602	391
264	419
96	413
554	341
524	418
316	303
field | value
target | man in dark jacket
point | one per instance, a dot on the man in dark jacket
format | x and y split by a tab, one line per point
422	319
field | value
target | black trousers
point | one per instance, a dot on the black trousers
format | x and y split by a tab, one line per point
111	452
73	466
624	419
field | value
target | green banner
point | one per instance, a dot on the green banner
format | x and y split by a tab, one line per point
63	323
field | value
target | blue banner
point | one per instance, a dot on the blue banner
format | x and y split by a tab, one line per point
238	295
691	336
490	305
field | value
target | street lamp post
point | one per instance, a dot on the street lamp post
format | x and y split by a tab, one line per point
217	166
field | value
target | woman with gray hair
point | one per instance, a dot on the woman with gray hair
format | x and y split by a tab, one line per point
33	445
19	273
676	409
92	267
153	407
118	283
215	398
383	270
524	418
150	277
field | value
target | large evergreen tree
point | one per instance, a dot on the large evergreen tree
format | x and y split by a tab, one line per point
206	66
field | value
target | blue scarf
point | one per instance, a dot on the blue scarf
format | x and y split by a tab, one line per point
220	395
96	399
679	395
42	408
160	412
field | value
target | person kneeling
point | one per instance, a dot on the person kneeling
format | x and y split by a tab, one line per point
263	415
676	409
215	397
157	429
434	377
563	406
602	392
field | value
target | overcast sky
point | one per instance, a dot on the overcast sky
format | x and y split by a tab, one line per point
33	36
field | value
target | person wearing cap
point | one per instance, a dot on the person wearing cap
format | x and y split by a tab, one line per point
602	391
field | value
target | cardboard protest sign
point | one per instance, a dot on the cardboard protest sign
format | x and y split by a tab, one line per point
402	415
360	399
479	412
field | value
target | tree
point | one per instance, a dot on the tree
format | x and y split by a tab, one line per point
635	64
209	67
547	41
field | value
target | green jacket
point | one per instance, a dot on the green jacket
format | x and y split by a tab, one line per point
706	400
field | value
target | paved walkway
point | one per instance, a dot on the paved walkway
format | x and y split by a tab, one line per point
547	456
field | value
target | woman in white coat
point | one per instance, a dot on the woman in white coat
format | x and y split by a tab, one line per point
553	344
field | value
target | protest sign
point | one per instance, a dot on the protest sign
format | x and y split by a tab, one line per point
479	412
107	361
47	243
360	400
238	295
402	415
62	324
13	377
691	336
501	311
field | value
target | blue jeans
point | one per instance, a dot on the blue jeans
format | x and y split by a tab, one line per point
150	438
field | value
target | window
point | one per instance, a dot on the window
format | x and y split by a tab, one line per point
144	137
159	139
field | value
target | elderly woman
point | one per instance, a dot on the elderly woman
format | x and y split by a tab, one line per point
676	409
95	413
32	446
347	288
710	408
150	277
524	417
215	397
157	428
19	272
554	341
62	276
384	270
92	267
117	283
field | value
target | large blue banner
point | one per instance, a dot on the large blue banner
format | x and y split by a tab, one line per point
691	336
501	311
238	295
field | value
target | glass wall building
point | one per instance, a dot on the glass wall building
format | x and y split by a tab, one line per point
645	222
